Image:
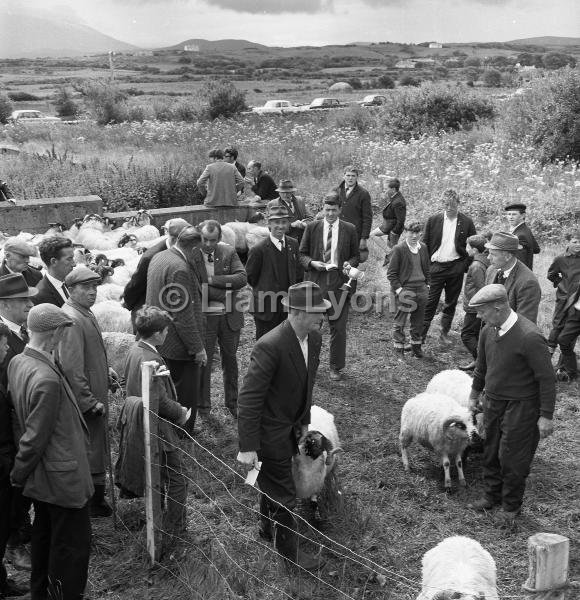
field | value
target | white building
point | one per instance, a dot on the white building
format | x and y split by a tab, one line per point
435	45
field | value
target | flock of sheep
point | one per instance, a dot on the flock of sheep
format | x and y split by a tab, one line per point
438	418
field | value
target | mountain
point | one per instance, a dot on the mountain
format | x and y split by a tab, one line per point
27	36
219	46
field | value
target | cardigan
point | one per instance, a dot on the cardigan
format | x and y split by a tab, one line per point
401	265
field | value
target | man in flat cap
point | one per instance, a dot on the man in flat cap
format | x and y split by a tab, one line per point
83	358
516	217
274	412
51	463
298	213
273	266
522	287
17	255
136	290
514	367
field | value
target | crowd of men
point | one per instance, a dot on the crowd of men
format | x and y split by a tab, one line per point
183	298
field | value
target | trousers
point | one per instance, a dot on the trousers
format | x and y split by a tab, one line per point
470	332
567	340
410	304
337	320
187	377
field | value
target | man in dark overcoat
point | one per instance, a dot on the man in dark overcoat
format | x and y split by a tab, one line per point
298	212
394	215
17	255
516	217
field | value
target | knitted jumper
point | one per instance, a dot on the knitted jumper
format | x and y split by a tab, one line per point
516	366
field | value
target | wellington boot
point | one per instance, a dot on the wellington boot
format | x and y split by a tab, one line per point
417	352
288	544
265	527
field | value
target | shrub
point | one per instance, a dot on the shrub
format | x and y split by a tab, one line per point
409	80
107	103
23	97
354	117
547	116
65	105
557	60
223	99
433	108
386	82
491	78
6	108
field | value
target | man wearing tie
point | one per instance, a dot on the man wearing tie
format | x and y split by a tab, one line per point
522	287
328	250
57	254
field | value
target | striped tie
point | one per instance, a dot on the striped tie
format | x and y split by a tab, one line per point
328	247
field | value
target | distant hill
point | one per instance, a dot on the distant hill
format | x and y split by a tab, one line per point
219	46
547	41
25	36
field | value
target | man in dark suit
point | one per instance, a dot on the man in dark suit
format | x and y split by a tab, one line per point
17	255
136	290
174	284
262	183
51	463
522	287
231	156
298	213
355	203
224	319
57	253
273	265
516	217
328	250
446	236
274	412
394	215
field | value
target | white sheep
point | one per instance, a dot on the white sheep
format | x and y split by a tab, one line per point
109	291
111	316
117	346
317	455
437	422
255	234
240	229
458	568
228	236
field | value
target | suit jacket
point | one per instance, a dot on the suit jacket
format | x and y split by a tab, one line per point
52	459
263	276
31	275
298	212
312	248
523	290
136	290
394	215
83	359
220	181
173	284
229	277
434	233
265	187
47	293
528	243
276	395
356	209
15	346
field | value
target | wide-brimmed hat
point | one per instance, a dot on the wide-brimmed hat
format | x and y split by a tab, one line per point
47	317
81	274
285	185
276	210
306	296
508	242
516	206
494	292
19	246
14	286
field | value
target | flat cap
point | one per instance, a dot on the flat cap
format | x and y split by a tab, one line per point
47	317
20	247
516	206
81	274
494	292
174	227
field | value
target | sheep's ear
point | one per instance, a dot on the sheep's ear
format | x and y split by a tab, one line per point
331	454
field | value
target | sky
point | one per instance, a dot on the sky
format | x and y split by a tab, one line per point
157	23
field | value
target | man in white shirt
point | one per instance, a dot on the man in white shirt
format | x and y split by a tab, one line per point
57	253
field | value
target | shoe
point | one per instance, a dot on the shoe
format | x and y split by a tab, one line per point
288	545
468	367
482	504
10	589
565	376
99	507
444	338
265	526
335	375
407	347
233	410
203	413
19	556
506	519
417	352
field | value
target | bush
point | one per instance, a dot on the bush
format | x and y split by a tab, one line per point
223	99
23	97
557	60
386	82
491	78
107	103
433	108
409	80
6	108
354	117
65	105
547	116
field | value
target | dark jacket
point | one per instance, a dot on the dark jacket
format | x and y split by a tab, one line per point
356	209
474	280
528	243
564	273
5	192
312	248
276	395
523	290
7	446
31	275
265	187
136	290
229	277
174	284
47	293
401	266
434	232
52	459
298	212
263	275
394	215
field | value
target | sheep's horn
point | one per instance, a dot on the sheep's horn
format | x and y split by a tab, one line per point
331	454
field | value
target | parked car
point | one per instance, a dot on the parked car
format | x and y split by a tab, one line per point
373	100
276	107
32	116
322	103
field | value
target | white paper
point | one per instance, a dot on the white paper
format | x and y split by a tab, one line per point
252	475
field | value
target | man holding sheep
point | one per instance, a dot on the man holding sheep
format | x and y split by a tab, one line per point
513	365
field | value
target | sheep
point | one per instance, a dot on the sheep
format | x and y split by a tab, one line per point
139	225
228	236
240	229
111	316
316	458
438	422
117	346
109	291
458	568
255	234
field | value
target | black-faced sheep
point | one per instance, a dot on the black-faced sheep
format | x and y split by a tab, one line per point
437	422
458	568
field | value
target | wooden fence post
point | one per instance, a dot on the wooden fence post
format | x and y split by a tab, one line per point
548	555
152	470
